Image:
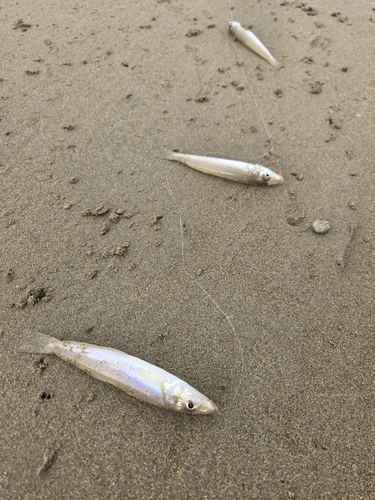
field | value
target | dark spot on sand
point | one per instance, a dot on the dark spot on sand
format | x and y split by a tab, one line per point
44	396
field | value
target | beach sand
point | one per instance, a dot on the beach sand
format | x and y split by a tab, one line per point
92	93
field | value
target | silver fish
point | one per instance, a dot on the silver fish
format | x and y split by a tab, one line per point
248	38
229	169
133	375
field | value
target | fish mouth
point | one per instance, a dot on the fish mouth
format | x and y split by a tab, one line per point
209	408
276	180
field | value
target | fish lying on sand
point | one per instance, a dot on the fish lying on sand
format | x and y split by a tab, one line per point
133	375
229	169
252	42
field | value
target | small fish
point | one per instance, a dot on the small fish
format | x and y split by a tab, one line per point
252	42
133	375
229	169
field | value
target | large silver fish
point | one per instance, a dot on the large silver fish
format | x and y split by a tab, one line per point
239	171
133	375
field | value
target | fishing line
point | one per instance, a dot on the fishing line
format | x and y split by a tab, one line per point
272	149
181	227
208	295
251	87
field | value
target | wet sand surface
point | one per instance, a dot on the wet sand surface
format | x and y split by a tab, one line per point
91	95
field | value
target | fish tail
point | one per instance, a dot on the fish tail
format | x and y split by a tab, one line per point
277	64
37	342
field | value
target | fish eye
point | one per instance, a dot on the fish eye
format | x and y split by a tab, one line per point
190	405
266	177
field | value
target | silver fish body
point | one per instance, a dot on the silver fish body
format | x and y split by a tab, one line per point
248	38
229	169
136	377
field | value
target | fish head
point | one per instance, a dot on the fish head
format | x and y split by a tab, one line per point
195	402
182	397
269	178
233	25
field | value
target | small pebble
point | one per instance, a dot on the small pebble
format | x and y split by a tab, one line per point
321	226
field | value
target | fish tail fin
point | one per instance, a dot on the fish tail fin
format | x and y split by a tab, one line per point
277	64
37	342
